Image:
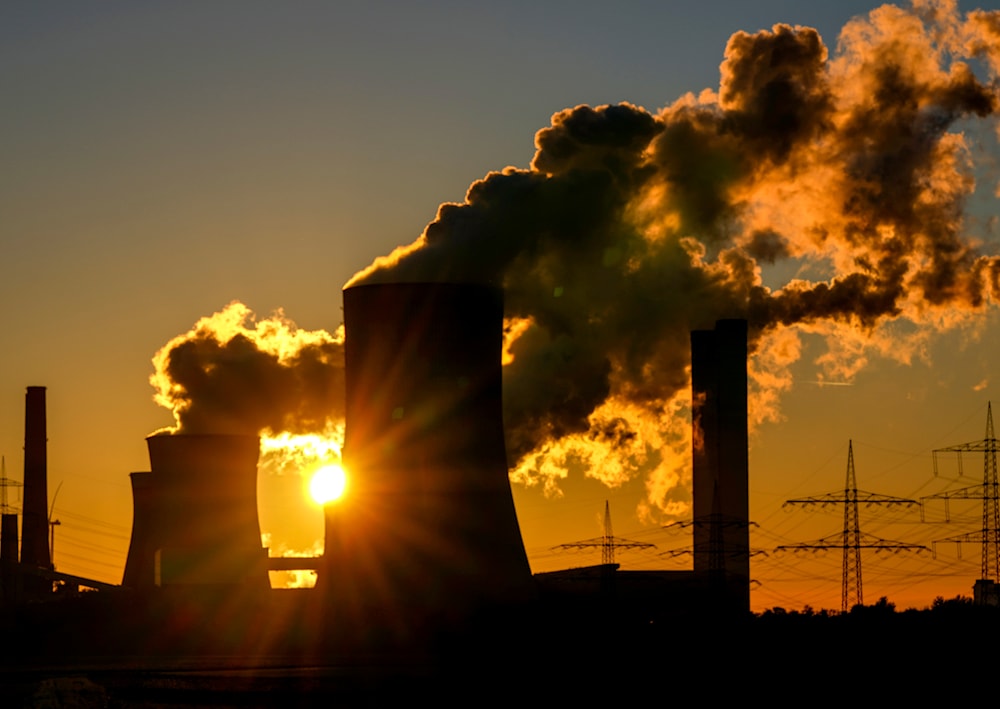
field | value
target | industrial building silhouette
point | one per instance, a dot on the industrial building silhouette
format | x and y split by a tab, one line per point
431	534
30	575
431	526
195	514
720	478
424	590
35	519
720	579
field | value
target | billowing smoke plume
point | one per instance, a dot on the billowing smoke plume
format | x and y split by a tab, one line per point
631	228
232	374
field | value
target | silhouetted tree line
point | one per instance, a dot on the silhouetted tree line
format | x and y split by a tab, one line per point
883	606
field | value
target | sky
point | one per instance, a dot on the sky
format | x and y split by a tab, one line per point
163	160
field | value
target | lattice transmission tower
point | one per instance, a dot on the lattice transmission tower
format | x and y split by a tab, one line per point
717	524
988	536
851	540
5	483
607	542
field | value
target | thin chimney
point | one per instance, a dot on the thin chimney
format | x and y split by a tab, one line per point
720	456
35	525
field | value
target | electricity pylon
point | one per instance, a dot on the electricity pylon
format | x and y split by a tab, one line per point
851	541
988	535
5	483
52	528
608	542
717	524
718	553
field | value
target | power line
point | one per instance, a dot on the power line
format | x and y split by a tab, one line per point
988	536
5	483
607	542
851	541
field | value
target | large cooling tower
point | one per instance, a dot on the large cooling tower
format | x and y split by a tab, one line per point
196	514
720	476
35	523
429	522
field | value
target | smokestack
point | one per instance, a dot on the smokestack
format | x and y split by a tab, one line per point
429	524
35	525
8	558
196	513
720	456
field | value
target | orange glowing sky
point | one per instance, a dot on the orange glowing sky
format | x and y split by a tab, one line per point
162	160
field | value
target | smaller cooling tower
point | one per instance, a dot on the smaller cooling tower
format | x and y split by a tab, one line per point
429	522
140	565
196	514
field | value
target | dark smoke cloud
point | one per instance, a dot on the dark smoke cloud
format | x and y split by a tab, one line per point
631	228
234	375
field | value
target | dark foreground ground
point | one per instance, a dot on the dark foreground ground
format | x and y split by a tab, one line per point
110	650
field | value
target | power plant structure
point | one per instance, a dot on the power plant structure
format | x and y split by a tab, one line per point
9	555
424	582
720	457
140	564
35	520
431	528
195	514
35	560
720	579
31	575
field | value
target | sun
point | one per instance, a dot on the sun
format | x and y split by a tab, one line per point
327	484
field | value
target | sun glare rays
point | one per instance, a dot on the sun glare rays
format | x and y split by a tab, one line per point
302	473
328	484
316	457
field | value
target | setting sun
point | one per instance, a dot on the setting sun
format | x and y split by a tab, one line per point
327	484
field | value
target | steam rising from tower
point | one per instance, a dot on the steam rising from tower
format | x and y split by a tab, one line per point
632	228
812	194
232	374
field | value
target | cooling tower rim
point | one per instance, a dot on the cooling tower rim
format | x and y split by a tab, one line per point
724	323
443	285
203	436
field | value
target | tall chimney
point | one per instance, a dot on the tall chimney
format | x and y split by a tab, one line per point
35	524
720	457
429	524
